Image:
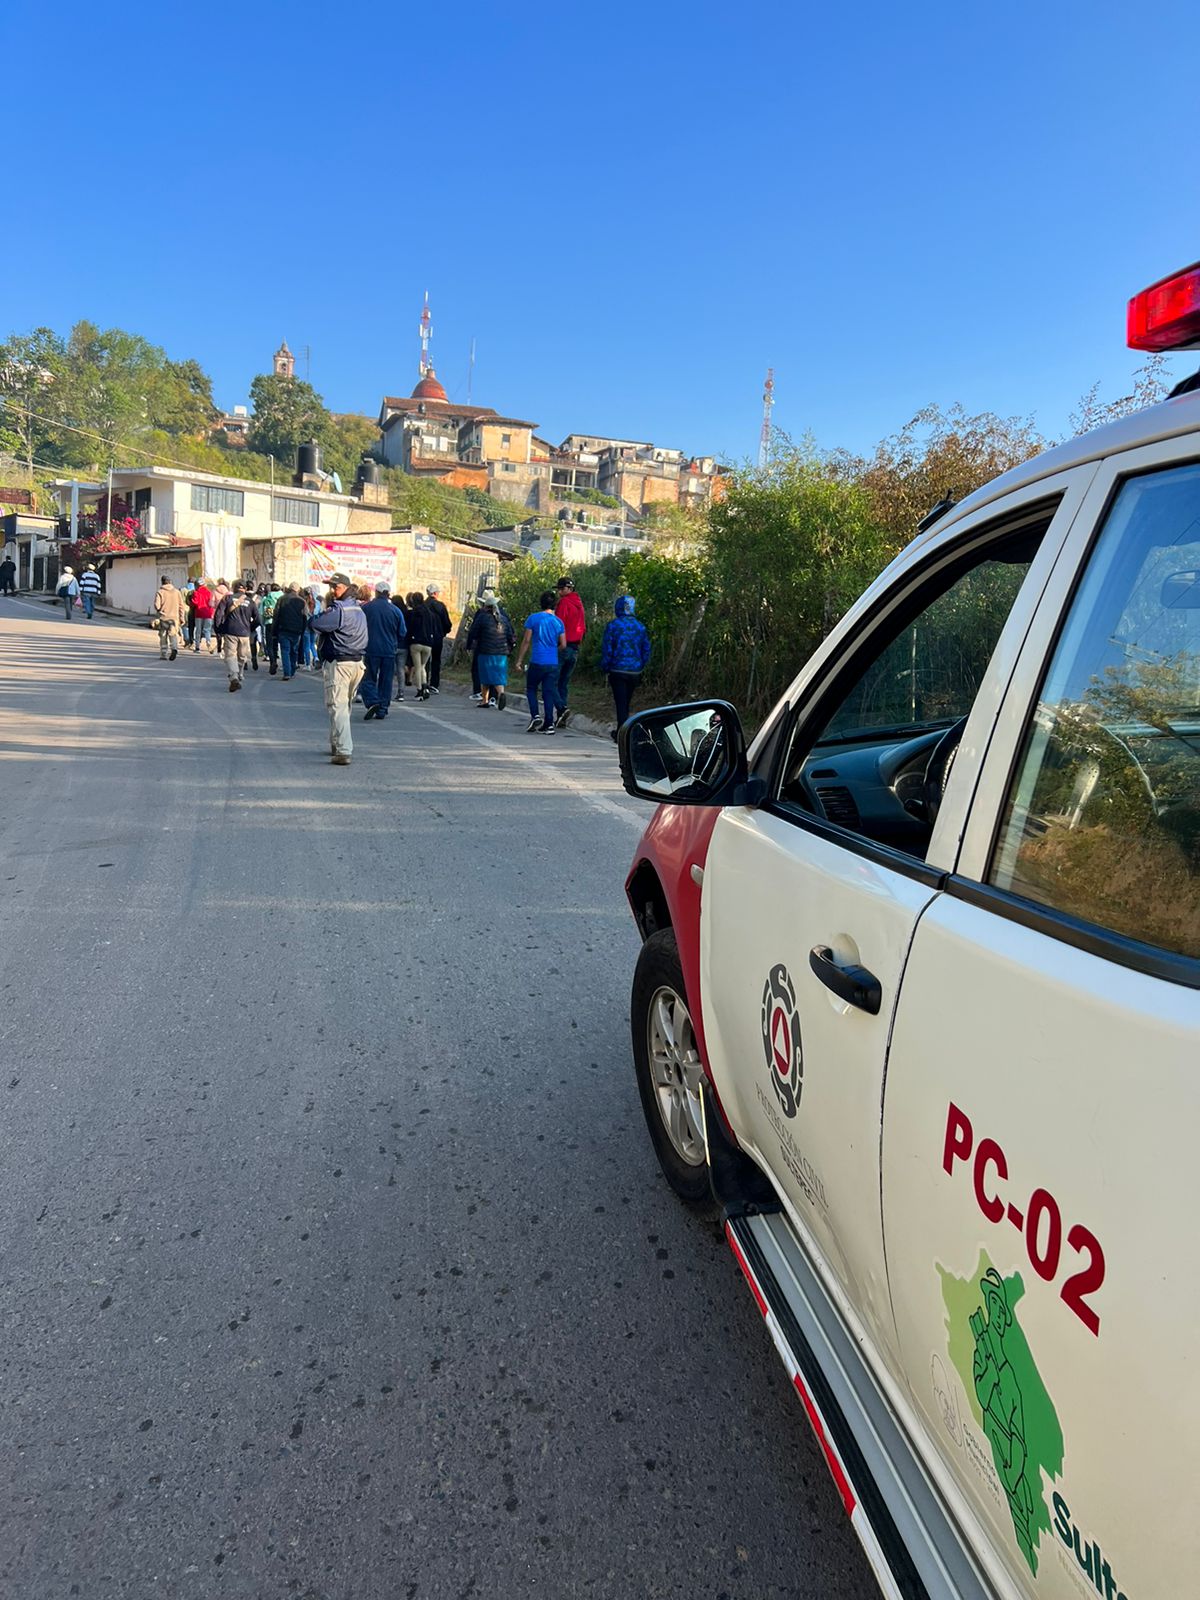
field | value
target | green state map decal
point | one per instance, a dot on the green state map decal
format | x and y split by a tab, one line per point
1007	1396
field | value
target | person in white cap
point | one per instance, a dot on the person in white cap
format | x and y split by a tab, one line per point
440	619
68	590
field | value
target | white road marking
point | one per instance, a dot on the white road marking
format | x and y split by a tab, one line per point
608	808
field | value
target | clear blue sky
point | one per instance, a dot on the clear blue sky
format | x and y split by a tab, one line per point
633	209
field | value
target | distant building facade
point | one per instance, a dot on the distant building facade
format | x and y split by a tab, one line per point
468	446
428	434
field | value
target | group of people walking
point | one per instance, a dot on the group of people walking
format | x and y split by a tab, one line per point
370	644
552	639
76	593
366	643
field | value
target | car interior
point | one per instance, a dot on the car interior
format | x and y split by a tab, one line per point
875	755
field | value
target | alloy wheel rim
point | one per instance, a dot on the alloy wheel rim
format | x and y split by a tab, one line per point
676	1073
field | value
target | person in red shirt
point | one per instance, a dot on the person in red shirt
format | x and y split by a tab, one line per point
570	613
203	606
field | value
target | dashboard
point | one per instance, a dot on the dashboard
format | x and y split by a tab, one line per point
876	788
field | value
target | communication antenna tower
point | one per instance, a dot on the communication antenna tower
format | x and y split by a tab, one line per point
764	437
426	366
470	371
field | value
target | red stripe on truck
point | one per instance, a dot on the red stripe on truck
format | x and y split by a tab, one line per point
746	1272
831	1457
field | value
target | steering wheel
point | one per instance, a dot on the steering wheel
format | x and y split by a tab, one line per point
939	767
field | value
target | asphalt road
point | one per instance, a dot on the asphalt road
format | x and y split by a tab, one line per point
334	1260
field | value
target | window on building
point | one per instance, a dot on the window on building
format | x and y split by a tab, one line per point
207	497
505	440
305	512
507	466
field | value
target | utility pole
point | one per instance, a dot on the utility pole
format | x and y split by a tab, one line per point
764	437
307	354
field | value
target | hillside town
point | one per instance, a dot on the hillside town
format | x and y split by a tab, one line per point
587	497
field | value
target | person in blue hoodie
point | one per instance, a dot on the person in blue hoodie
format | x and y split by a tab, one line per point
624	654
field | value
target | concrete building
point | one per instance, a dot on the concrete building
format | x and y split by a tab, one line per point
634	472
172	505
585	546
30	541
467	446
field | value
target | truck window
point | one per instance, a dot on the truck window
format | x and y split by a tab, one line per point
862	760
1103	818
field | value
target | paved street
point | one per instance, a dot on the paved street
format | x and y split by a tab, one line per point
334	1260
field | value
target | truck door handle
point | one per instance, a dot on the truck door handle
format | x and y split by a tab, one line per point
855	985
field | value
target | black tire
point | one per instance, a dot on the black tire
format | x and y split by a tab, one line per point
665	1098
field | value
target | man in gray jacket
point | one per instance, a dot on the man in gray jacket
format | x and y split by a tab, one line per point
341	631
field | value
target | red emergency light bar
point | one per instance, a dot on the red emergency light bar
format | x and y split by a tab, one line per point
1166	316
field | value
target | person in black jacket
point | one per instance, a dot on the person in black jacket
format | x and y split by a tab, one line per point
420	642
491	637
442	627
235	621
291	619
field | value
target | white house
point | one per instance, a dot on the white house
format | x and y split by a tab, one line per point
174	505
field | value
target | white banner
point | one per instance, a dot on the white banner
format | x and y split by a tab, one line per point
219	541
364	563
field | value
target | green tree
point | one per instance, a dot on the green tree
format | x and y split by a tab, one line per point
790	547
182	402
350	437
30	365
937	455
108	390
287	412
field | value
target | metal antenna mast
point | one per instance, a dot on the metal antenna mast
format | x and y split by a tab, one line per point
764	437
470	371
426	366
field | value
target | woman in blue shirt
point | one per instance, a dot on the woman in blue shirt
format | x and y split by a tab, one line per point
545	638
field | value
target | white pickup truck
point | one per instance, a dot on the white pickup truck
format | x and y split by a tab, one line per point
917	1000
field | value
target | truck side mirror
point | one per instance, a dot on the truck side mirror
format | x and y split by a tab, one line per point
688	755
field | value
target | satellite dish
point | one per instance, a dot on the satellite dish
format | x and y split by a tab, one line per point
336	481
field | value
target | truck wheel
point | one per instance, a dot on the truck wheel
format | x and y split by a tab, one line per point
667	1062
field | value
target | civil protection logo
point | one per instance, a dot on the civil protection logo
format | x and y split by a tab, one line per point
781	1038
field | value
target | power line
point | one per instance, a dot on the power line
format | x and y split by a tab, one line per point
89	433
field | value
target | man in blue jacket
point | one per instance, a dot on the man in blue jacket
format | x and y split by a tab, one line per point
341	631
624	654
386	632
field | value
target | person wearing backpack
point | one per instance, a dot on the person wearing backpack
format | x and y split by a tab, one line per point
341	631
170	609
235	620
68	591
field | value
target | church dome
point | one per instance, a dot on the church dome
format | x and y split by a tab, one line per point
430	389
